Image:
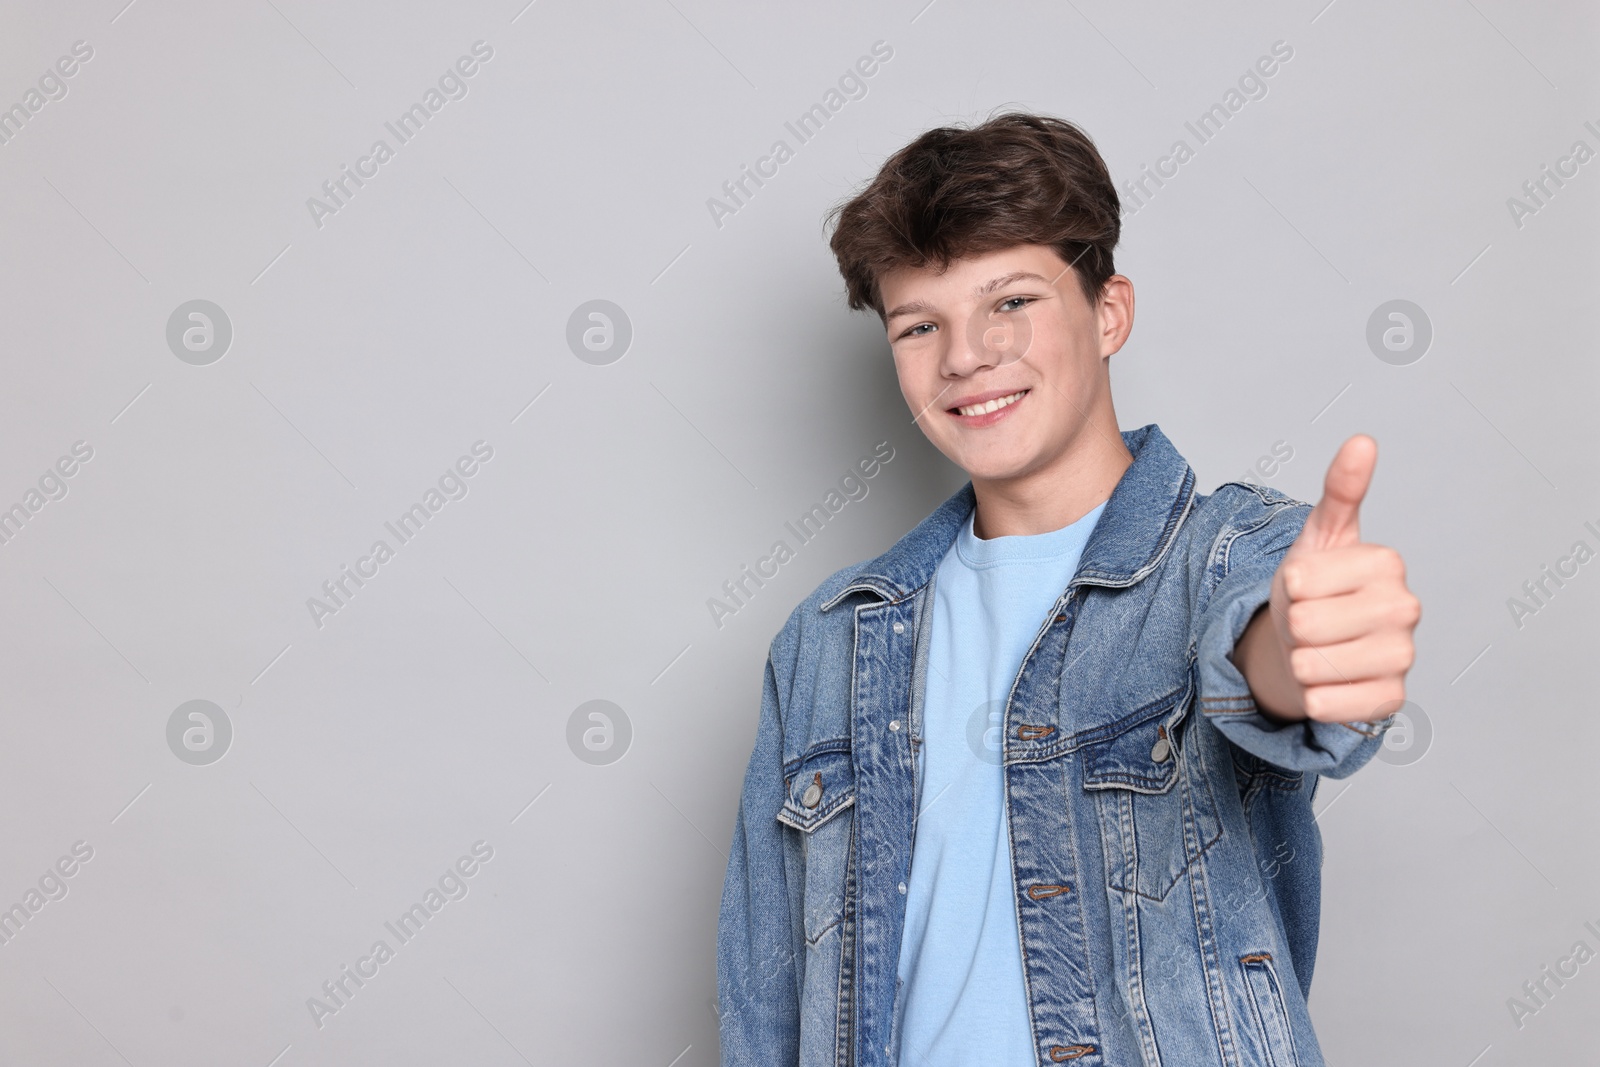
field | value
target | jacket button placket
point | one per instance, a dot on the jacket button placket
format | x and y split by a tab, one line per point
884	813
1054	936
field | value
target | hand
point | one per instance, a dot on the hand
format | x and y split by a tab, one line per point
1334	642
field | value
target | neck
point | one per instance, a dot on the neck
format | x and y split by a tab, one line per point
1059	493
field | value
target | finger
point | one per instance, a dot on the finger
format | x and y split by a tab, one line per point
1336	518
1354	702
1363	659
1330	619
1333	571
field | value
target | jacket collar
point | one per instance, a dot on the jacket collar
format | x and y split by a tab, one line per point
1139	523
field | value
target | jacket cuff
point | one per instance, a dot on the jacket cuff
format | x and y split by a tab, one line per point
1335	750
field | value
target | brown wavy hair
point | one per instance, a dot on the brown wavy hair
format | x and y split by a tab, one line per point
957	191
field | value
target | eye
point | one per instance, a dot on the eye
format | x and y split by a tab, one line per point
914	331
1005	305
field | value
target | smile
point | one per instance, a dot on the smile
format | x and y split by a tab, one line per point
992	405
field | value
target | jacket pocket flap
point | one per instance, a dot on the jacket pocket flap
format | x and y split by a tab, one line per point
818	786
1140	750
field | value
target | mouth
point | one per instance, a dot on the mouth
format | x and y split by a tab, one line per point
987	409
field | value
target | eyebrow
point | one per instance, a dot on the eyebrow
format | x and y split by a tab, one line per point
916	307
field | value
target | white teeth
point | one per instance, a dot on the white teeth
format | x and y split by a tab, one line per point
992	405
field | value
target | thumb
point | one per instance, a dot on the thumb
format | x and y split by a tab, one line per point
1335	521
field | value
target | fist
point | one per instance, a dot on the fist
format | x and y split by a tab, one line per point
1340	609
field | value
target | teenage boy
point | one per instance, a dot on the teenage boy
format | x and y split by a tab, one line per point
1034	786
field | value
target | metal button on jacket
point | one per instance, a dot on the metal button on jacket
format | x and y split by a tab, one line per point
1160	750
813	793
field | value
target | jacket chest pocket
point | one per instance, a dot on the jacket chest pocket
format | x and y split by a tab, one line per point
819	789
1157	813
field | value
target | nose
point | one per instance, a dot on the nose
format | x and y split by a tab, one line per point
970	349
990	339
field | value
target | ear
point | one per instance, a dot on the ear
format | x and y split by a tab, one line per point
1114	314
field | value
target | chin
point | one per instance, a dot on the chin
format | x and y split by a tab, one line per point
992	468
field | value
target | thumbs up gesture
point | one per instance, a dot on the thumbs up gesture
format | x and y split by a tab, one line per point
1333	643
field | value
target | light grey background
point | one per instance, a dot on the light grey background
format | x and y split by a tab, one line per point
372	351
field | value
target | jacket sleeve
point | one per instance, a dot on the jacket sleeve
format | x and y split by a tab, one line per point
757	953
1248	550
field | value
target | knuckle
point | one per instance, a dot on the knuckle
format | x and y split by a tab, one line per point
1410	610
1311	702
1302	664
1319	703
1299	616
1293	578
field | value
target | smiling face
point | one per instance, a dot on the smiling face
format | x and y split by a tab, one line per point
1004	364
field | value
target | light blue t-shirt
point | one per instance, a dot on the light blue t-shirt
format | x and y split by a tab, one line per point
961	958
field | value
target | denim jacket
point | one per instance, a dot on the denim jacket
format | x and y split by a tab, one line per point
1166	863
